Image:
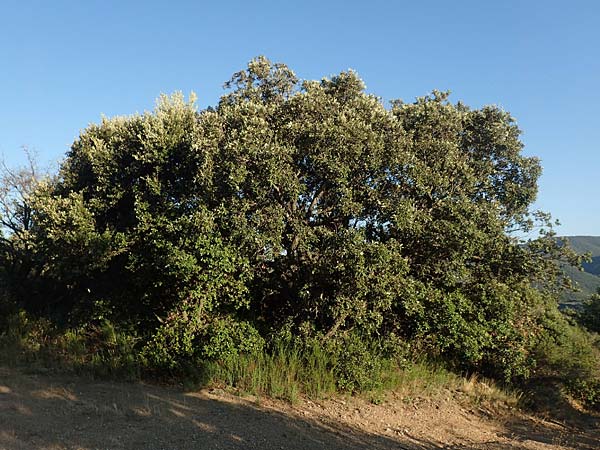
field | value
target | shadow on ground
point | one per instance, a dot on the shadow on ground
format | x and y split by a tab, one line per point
564	424
50	412
69	413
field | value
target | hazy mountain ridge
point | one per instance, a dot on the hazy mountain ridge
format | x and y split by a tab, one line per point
593	267
588	280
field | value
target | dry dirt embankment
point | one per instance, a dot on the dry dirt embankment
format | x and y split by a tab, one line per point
42	411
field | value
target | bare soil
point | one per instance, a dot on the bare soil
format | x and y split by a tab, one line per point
45	411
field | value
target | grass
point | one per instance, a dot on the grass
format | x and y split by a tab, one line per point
285	373
288	375
288	371
98	352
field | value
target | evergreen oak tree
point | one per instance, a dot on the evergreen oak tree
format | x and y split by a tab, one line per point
299	204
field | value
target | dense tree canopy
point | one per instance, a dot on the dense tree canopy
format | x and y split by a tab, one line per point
302	204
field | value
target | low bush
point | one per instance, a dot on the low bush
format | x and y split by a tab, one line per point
98	350
569	354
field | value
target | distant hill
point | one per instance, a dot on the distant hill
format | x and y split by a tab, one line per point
588	280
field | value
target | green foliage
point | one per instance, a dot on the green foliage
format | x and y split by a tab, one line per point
187	338
287	369
293	365
567	349
586	390
99	350
570	354
357	368
589	316
305	206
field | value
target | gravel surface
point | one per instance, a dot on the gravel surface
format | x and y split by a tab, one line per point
44	411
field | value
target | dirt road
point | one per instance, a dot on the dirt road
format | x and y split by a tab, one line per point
42	411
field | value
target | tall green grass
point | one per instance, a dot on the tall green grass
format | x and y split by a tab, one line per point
285	373
290	372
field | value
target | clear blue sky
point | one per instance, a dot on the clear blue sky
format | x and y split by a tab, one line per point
64	63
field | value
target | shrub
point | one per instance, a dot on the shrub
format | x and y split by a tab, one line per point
571	355
188	338
589	316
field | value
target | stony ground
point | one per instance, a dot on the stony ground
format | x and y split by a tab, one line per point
44	411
